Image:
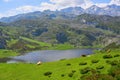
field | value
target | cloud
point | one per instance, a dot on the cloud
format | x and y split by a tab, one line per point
6	0
45	6
20	10
102	4
52	5
117	2
60	4
25	9
1	15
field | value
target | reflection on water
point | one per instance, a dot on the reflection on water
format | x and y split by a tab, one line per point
49	55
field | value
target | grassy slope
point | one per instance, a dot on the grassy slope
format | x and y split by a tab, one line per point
7	53
43	46
36	72
37	42
55	47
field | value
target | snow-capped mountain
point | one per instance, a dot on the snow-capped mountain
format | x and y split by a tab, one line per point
73	10
86	4
95	10
112	10
116	2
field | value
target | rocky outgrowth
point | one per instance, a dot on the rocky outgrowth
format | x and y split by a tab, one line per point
0	33
3	43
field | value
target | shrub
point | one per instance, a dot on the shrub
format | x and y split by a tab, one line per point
100	67
115	71
108	61
83	55
107	56
117	55
83	63
73	71
95	61
93	71
97	77
98	71
70	74
85	70
62	75
47	73
68	64
118	76
115	62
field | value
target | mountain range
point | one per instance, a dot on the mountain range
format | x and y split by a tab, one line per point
85	30
79	27
111	10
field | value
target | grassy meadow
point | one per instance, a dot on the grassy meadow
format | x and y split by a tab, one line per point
7	53
71	69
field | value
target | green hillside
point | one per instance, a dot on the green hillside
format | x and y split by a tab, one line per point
83	31
73	69
7	53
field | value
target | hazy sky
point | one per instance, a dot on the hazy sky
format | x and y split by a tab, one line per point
13	7
101	1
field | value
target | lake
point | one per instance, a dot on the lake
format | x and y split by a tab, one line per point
49	55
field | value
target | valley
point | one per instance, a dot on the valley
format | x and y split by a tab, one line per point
71	43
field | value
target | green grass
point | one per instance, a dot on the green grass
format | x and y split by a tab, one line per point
50	47
21	71
23	45
7	53
13	41
62	47
35	41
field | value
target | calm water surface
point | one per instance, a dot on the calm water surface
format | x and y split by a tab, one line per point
49	55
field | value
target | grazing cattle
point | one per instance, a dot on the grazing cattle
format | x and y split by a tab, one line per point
39	63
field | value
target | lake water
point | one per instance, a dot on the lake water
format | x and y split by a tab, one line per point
49	55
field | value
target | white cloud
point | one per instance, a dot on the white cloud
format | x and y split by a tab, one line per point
59	4
117	2
52	5
102	4
45	6
6	0
20	10
25	9
1	15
